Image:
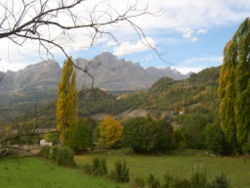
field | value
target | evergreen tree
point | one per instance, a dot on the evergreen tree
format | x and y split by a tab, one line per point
234	89
66	112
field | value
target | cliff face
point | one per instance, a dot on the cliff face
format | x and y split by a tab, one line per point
108	71
38	77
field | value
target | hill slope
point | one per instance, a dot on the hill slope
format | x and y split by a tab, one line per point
167	97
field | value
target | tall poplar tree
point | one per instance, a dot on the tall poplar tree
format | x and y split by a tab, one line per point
234	89
66	112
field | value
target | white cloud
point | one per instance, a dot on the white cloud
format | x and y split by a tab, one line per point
197	64
201	31
129	48
192	17
189	18
203	60
186	70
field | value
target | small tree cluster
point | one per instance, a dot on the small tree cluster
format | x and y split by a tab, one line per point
80	134
148	135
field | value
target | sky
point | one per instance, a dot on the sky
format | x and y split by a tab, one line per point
189	35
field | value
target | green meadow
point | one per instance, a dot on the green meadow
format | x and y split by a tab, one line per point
179	165
37	173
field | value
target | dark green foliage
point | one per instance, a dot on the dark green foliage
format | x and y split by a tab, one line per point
62	155
98	167
220	181
193	125
181	183
147	135
152	182
167	181
52	137
81	134
197	94
179	138
162	84
199	179
234	89
215	139
246	146
139	182
45	152
121	172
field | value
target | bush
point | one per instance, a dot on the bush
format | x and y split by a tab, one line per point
121	172
215	139
220	181
88	169
45	152
181	183
180	138
98	167
80	135
199	178
62	155
193	125
52	137
139	182
152	182
147	135
167	181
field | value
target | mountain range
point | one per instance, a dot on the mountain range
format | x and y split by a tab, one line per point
109	72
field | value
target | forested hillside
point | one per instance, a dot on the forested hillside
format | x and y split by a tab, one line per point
167	97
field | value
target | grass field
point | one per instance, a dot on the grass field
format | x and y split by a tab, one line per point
36	173
180	165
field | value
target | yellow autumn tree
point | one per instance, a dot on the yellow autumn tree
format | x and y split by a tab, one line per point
110	131
66	111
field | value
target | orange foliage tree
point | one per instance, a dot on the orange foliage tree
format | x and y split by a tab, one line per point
110	131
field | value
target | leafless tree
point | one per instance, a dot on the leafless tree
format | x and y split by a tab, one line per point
38	20
47	22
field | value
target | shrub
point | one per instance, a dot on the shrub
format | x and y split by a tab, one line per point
180	138
62	155
98	167
52	137
45	152
152	182
246	146
215	139
80	135
121	172
167	181
88	169
220	181
193	125
139	182
147	135
181	183
199	178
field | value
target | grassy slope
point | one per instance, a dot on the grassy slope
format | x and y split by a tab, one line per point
181	165
35	173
